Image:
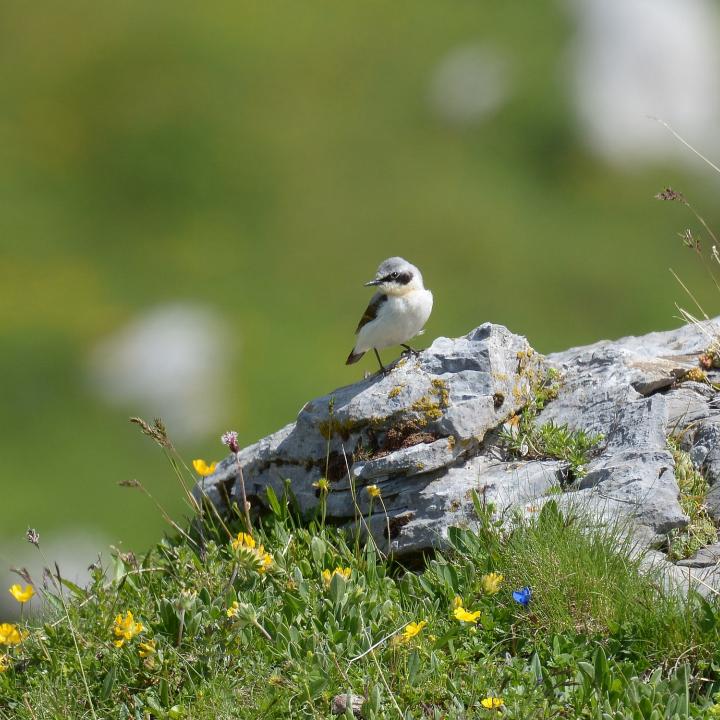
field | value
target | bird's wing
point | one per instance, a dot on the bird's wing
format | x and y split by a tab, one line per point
372	310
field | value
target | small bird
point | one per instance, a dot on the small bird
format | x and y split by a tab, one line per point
397	311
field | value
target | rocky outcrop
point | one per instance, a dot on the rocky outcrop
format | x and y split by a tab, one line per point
429	434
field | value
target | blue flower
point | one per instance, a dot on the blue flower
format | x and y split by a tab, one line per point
522	596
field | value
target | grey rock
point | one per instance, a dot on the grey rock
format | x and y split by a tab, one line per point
428	434
709	556
712	502
708	436
341	703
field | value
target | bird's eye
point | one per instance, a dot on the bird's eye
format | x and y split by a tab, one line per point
393	276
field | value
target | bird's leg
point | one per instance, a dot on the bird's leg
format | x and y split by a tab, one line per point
383	369
409	350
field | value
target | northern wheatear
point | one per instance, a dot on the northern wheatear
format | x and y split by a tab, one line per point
397	311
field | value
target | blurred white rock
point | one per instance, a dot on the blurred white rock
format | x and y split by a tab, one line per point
469	83
632	59
171	362
73	550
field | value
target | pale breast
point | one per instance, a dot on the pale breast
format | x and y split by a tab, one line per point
399	320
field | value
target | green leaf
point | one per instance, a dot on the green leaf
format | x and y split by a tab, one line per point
108	683
318	548
536	668
75	589
602	672
273	502
164	691
413	666
336	592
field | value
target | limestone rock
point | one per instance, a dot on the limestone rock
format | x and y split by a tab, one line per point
428	434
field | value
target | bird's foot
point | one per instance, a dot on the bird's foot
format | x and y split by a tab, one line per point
410	351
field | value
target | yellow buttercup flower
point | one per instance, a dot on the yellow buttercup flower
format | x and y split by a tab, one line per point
145	649
492	703
327	575
412	629
10	635
126	628
22	596
373	491
463	615
4	663
202	468
457	602
491	582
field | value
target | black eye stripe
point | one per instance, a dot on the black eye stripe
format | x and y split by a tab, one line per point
400	278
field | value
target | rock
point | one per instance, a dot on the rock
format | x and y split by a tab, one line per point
340	704
429	435
709	556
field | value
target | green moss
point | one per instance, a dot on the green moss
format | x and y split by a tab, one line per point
700	530
395	391
333	426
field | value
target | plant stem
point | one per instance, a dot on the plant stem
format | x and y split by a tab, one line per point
246	508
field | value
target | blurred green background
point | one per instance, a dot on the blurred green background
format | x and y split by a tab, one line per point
261	159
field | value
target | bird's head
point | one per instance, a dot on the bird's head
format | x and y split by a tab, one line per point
396	276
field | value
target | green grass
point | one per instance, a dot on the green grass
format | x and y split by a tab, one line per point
700	530
523	437
598	636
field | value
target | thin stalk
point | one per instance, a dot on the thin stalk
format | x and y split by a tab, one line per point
246	507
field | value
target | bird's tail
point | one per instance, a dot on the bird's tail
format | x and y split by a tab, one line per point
353	357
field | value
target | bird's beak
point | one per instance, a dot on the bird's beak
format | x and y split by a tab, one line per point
373	282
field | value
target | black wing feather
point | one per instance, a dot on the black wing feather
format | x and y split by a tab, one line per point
372	310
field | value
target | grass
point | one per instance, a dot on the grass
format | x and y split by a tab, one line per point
693	486
522	437
223	636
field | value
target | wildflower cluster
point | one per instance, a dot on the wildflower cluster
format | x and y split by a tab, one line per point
11	635
125	628
343	572
249	555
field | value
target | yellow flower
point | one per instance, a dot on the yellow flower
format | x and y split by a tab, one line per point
457	602
146	648
266	559
412	629
202	468
327	576
243	540
126	628
22	596
4	663
491	582
250	555
322	485
492	703
463	615
10	635
233	610
373	491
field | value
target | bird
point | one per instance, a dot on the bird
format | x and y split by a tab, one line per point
397	311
